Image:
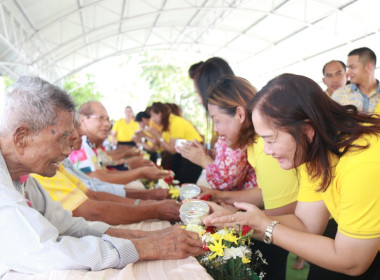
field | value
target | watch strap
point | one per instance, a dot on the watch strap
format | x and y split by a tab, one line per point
268	233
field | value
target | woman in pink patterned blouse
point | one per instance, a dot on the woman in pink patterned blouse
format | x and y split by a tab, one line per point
230	170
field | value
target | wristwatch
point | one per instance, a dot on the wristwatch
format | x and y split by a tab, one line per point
268	233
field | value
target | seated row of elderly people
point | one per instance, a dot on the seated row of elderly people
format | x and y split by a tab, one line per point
37	233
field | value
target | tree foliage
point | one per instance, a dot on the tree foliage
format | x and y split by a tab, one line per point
82	89
7	82
170	83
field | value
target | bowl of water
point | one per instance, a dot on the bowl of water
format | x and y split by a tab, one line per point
193	212
189	191
180	142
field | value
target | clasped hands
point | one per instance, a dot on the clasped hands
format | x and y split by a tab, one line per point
194	152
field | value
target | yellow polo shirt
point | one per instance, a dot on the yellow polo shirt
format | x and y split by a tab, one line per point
353	197
65	188
377	109
125	131
179	128
154	125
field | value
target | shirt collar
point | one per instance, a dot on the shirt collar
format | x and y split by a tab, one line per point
356	88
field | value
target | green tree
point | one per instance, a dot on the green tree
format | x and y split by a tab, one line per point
7	82
170	83
82	88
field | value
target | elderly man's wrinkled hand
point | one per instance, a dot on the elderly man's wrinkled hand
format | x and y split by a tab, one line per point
154	173
138	161
179	244
174	243
159	194
168	210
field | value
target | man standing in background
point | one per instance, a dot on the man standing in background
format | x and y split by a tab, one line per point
364	90
334	76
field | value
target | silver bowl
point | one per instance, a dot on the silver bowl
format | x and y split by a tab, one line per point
189	191
193	212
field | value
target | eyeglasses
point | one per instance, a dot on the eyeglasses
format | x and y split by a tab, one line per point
101	118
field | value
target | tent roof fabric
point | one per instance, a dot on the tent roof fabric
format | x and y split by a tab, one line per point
54	39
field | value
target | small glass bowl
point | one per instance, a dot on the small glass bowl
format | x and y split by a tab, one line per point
193	212
189	191
180	142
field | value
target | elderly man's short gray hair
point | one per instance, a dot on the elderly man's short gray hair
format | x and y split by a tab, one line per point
32	102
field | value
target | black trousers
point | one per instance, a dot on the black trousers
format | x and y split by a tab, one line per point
129	143
185	171
276	258
319	273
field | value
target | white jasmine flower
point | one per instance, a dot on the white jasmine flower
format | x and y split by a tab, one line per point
207	238
262	275
222	232
162	184
195	228
235	252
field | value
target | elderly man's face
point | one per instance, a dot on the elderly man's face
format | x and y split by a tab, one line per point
97	125
46	148
335	76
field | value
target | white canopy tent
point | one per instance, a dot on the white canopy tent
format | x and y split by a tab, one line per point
259	38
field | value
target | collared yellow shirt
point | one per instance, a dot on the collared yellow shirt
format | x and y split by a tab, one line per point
65	188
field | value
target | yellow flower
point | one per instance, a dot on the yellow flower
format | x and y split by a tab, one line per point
245	260
216	236
231	237
217	247
151	184
174	192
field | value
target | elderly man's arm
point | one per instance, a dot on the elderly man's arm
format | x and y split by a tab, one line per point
170	243
117	189
50	238
123	152
104	196
115	213
124	177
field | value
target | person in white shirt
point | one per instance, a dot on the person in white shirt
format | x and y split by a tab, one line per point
37	234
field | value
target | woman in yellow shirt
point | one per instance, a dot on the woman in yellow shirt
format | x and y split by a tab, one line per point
173	128
124	129
277	189
338	152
